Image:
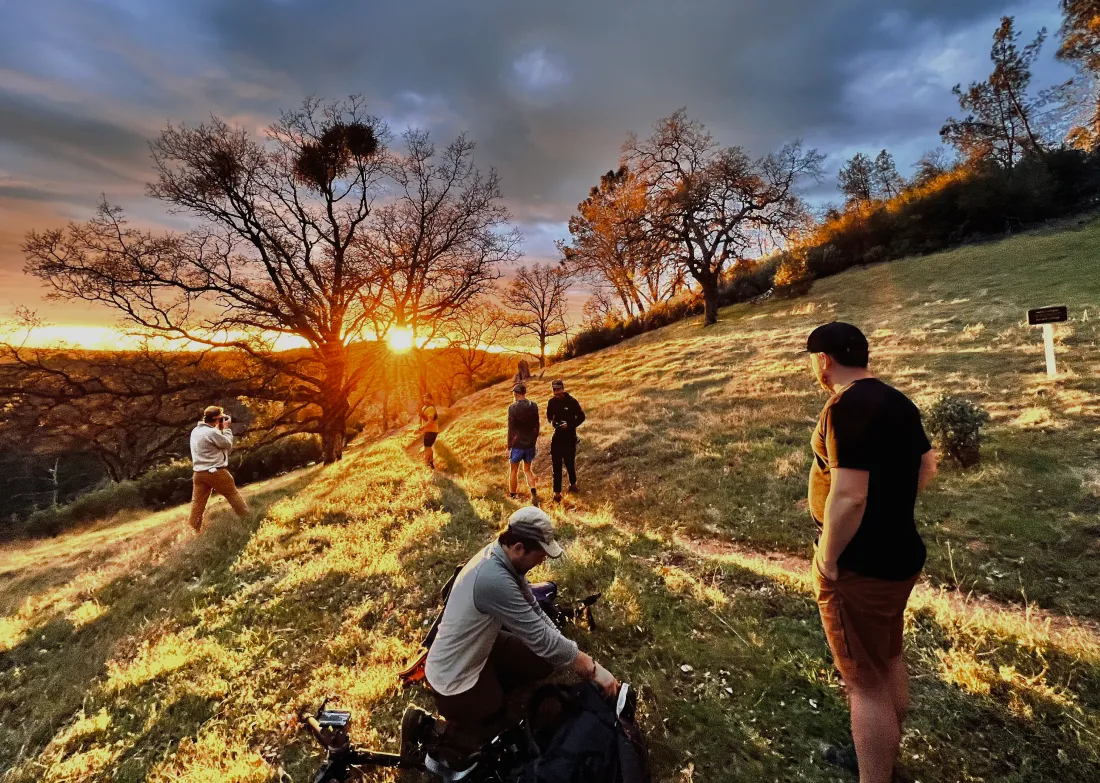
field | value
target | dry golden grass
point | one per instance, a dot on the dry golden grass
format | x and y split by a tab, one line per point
132	654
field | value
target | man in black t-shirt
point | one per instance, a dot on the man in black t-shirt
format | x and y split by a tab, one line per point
871	458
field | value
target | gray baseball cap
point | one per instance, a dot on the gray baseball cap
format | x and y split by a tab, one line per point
533	523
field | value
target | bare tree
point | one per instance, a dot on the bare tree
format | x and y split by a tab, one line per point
275	252
600	308
712	203
934	163
472	332
536	298
132	409
440	241
612	248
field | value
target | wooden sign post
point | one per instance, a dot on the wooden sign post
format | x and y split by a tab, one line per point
1047	317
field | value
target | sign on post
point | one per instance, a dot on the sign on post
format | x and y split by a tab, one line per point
1047	317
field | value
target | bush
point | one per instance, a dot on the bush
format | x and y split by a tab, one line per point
169	485
743	286
956	424
100	503
792	277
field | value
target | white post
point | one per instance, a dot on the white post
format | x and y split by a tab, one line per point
1048	343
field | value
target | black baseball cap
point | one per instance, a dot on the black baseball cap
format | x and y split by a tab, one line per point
842	341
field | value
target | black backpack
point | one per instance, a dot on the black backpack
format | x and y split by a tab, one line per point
583	738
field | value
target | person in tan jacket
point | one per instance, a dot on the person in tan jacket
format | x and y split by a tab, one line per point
211	442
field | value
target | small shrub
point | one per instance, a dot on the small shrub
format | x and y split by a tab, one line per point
99	503
792	278
956	424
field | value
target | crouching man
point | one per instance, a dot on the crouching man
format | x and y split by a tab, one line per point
474	663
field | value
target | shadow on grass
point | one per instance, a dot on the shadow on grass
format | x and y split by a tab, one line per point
49	676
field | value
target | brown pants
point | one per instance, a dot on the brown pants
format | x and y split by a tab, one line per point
220	481
864	621
475	716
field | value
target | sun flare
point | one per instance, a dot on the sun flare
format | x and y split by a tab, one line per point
400	340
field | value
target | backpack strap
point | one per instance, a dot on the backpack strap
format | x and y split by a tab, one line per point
414	669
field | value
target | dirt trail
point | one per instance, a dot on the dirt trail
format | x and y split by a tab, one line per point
970	607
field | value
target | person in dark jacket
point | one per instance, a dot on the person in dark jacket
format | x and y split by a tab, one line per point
564	414
523	438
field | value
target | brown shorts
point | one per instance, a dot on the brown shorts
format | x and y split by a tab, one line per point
864	619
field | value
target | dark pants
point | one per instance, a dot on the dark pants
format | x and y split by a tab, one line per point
475	716
563	451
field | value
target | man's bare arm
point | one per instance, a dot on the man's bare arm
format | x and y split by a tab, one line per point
843	514
929	467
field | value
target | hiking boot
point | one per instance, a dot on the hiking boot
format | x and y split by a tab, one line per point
513	496
843	757
557	497
416	727
453	771
574	488
534	496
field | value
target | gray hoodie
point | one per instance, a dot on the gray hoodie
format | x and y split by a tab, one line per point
488	594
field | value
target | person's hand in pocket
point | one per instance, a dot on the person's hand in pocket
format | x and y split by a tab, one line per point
828	570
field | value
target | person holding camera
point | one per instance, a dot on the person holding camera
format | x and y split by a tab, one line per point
474	663
564	414
211	442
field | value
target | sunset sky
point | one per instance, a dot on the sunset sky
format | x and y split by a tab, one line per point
547	90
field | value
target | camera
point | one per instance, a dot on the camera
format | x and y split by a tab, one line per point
227	419
334	719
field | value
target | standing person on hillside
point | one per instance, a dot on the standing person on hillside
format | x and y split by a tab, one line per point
871	458
523	438
564	414
211	442
429	428
523	372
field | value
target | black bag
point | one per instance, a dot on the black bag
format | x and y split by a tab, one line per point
583	738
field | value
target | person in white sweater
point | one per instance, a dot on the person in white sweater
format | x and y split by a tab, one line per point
211	442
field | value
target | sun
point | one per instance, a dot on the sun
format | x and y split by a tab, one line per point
400	339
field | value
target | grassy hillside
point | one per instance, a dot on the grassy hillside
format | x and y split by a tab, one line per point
138	656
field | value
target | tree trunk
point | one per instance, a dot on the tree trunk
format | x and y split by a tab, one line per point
710	301
53	480
333	433
542	353
334	404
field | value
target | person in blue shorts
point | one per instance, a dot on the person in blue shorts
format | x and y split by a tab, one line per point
523	438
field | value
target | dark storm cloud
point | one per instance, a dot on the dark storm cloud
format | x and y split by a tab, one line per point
547	90
100	146
758	73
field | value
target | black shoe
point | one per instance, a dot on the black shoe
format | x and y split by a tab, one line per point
557	497
574	488
534	496
843	757
513	496
416	727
